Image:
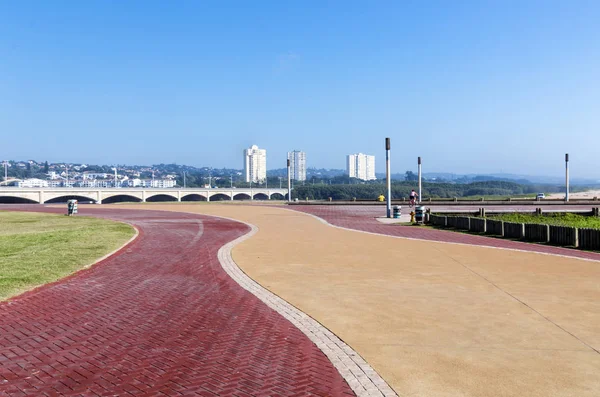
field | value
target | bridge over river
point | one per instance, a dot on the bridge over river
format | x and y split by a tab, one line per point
111	195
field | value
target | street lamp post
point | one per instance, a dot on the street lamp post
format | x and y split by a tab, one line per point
184	180
567	176
231	179
388	177
419	164
5	162
289	175
67	168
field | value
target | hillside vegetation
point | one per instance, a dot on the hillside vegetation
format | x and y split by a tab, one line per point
434	190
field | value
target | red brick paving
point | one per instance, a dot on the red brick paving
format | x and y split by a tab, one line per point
161	318
363	218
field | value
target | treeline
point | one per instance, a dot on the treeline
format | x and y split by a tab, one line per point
434	190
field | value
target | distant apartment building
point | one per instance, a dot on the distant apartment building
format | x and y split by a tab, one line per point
297	165
361	166
32	182
95	175
255	164
55	182
95	183
156	183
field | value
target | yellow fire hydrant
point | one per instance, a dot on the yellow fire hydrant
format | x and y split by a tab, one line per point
412	217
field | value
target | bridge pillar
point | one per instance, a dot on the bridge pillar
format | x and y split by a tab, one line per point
179	195
232	195
41	199
143	196
99	199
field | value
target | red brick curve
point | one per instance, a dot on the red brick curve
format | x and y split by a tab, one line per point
158	318
363	218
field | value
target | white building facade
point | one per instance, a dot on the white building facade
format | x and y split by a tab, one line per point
32	182
361	166
297	165
156	183
255	164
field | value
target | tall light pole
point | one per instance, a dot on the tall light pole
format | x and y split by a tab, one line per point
67	167
152	178
5	162
280	182
567	176
231	179
115	169
289	181
184	180
388	177
419	163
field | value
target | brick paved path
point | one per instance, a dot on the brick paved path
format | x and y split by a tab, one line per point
161	318
363	218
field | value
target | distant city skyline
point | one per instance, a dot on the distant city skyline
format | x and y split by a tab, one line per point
476	86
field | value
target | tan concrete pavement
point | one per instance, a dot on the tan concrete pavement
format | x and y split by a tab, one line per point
434	319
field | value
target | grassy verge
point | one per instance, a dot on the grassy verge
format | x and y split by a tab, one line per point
561	219
36	249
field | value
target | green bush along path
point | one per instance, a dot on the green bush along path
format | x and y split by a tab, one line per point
36	248
557	219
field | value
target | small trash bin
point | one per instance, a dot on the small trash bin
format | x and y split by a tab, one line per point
71	207
420	214
397	211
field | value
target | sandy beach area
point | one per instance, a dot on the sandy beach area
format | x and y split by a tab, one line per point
590	194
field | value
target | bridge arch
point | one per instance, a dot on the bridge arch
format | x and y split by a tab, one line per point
242	196
161	198
277	196
16	200
193	197
260	196
65	197
220	197
121	198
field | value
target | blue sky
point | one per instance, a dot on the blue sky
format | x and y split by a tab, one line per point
471	86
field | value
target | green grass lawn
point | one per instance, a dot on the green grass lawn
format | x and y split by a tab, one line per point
36	249
558	219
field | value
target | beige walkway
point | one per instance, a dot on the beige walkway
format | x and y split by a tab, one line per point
433	319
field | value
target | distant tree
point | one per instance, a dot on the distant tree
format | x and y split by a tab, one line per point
46	167
410	176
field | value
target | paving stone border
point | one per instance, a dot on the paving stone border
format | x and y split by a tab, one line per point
361	377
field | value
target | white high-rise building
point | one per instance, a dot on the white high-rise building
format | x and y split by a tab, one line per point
361	166
297	165
255	164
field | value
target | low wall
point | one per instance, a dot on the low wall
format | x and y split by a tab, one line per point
451	221
437	220
494	227
589	239
463	222
514	230
564	236
478	225
537	233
